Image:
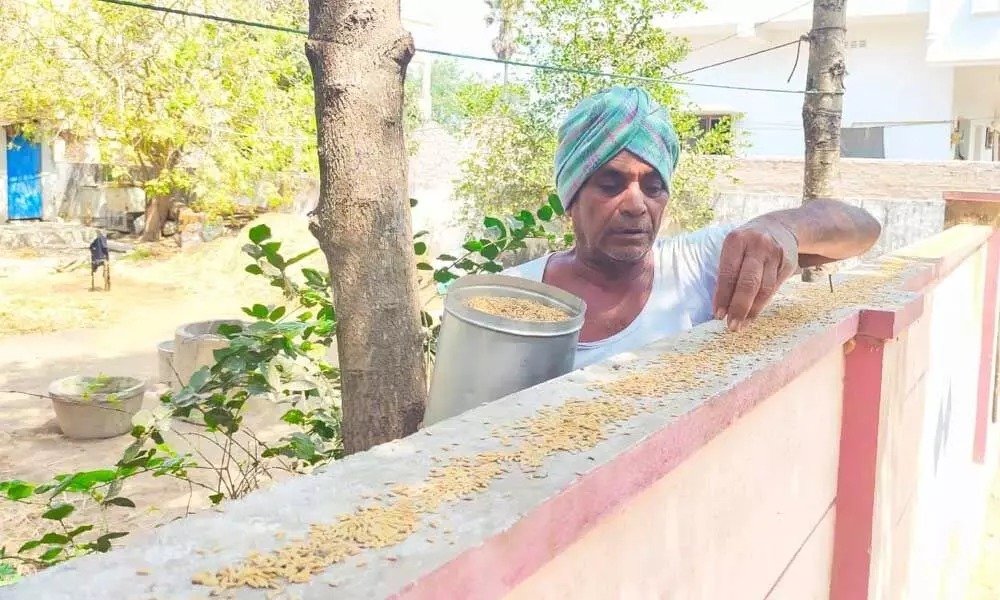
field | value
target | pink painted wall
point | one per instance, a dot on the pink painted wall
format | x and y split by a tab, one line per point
697	532
754	513
929	501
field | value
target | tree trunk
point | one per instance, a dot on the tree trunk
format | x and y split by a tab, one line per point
359	53
823	105
156	215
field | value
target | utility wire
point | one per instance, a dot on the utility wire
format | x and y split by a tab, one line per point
738	58
757	24
197	15
514	63
593	73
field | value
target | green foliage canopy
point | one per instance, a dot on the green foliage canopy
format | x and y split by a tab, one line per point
178	104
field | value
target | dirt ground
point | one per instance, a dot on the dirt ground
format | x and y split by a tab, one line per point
52	326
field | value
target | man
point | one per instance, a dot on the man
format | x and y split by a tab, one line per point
616	155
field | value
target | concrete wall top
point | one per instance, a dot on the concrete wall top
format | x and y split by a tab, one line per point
472	506
864	178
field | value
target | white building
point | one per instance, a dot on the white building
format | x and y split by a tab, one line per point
923	78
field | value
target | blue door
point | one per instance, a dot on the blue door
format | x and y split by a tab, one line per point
24	179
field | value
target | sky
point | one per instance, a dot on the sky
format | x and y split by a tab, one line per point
455	26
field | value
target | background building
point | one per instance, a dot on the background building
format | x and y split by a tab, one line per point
923	79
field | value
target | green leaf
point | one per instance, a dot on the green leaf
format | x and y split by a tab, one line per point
490	252
120	501
447	257
253	251
260	233
444	276
79	530
254	270
229	329
473	245
54	538
303	447
199	379
556	204
58	512
103	543
16	490
29	546
527	218
314	278
294	417
422	266
492	267
545	213
301	257
413	202
51	553
259	311
420	234
216	498
495	224
277	313
419	248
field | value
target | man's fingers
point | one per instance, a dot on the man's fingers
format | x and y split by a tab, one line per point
745	291
730	263
768	286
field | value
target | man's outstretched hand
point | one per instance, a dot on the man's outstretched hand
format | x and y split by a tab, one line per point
756	259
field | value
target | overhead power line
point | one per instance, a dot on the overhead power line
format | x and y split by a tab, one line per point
197	15
756	24
738	58
593	73
514	63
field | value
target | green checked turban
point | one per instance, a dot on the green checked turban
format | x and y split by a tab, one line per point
604	125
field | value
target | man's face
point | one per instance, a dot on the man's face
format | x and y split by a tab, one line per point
617	213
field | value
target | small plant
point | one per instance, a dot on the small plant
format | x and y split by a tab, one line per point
140	254
101	385
58	501
280	357
8	573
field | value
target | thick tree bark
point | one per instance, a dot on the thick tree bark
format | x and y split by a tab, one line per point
157	210
823	105
359	53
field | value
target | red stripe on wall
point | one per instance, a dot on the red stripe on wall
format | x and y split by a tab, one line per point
856	477
989	340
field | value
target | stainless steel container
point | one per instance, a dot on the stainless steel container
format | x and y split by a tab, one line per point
483	357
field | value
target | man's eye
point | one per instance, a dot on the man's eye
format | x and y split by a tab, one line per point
654	187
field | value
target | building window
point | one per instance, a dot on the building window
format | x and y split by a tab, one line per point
715	133
862	142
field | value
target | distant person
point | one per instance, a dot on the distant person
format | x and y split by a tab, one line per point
617	153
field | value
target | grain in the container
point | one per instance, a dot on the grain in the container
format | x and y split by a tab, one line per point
517	309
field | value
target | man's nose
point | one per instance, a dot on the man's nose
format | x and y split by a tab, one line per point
634	202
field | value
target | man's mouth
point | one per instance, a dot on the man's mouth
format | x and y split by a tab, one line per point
632	232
